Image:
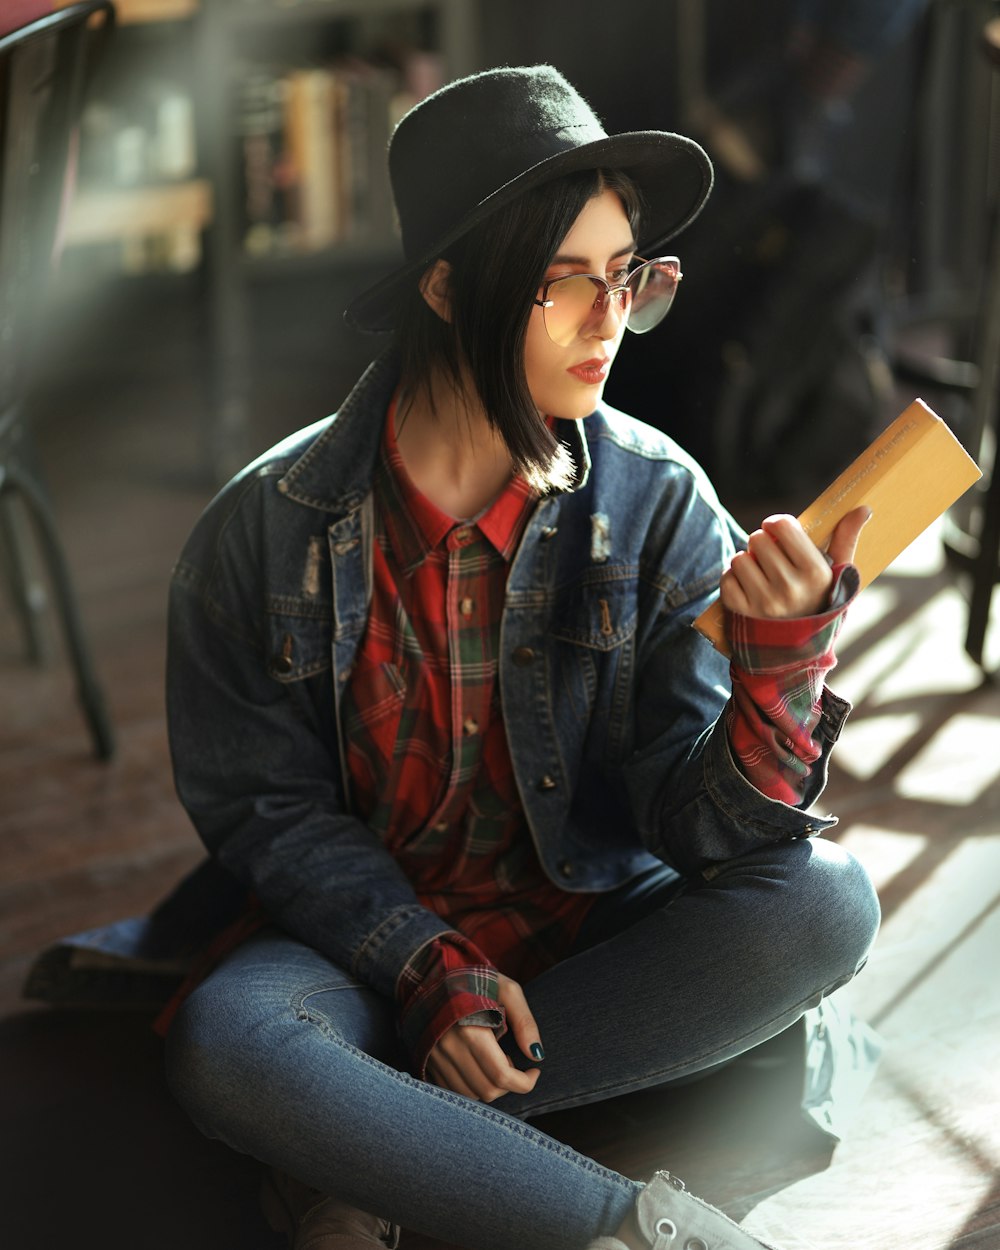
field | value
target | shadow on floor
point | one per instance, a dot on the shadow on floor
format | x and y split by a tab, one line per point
100	1156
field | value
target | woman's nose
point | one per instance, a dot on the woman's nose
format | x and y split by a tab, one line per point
612	323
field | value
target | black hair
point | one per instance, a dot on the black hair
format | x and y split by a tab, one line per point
496	270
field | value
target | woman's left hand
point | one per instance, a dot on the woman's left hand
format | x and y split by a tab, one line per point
469	1060
782	574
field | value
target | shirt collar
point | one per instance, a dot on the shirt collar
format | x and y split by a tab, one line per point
415	526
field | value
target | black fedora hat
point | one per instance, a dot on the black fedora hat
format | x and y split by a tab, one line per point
477	143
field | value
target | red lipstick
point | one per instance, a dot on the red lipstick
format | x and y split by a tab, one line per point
592	372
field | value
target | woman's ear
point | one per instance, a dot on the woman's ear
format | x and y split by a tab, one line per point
435	287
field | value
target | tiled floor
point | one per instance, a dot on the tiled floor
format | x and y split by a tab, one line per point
96	1155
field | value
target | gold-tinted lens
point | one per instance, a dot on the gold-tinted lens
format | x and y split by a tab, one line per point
574	303
653	285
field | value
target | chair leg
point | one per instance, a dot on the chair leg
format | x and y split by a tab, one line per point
27	592
88	687
985	568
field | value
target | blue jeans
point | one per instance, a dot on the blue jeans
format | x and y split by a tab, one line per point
284	1057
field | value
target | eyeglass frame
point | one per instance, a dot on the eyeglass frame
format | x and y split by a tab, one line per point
609	290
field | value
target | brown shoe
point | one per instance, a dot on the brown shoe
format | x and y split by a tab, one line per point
313	1221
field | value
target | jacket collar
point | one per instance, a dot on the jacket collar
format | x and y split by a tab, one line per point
334	473
336	470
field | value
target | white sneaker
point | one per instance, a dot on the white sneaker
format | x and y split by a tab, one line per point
667	1217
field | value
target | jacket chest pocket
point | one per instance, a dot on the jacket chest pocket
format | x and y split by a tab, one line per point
300	639
594	630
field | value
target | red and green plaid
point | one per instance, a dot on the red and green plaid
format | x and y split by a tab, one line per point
428	758
779	669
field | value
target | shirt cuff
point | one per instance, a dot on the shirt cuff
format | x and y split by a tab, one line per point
448	981
778	671
772	644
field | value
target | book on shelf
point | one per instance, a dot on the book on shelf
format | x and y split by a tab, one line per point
312	149
910	474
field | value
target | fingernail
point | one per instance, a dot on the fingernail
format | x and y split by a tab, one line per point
537	1051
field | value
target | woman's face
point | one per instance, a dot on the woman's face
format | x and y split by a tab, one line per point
568	381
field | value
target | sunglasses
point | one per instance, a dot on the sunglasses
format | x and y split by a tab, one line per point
577	304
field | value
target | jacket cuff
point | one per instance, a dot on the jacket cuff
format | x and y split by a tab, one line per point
755	818
391	946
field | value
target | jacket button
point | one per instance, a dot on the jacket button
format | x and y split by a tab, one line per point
547	532
523	655
283	664
565	868
547	783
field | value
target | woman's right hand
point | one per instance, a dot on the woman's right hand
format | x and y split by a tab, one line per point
469	1060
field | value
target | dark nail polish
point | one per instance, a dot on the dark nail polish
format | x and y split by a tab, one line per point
537	1052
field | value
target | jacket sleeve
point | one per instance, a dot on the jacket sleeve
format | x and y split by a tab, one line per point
256	764
692	803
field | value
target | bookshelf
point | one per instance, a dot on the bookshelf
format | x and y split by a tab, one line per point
262	155
108	209
374	51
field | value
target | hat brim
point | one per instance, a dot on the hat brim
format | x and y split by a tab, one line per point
672	172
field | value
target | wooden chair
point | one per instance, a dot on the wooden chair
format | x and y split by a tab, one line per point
44	68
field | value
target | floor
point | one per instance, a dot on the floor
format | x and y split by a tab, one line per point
94	1153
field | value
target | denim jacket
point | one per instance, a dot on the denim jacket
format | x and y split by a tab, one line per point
612	702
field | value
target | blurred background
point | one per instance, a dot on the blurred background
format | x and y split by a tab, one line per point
223	195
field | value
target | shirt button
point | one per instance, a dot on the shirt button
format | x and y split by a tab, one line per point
523	655
463	535
466	607
441	827
470	727
547	783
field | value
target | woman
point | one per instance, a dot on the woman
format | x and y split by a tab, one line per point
436	703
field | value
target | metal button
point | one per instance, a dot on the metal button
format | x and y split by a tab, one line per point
547	532
283	662
565	868
547	783
523	655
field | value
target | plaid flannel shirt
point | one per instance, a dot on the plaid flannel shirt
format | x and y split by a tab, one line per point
428	757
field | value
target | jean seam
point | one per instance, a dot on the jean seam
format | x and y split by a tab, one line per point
298	1004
